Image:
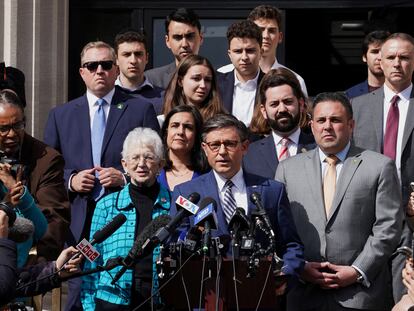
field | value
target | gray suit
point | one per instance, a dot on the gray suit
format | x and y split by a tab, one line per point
368	133
161	76
363	227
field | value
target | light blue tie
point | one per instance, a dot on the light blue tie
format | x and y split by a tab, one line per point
97	135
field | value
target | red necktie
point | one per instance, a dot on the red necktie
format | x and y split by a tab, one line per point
391	129
284	151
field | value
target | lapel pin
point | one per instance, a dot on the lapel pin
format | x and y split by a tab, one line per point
120	106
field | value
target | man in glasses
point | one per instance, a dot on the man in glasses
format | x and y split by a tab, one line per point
225	141
183	37
89	132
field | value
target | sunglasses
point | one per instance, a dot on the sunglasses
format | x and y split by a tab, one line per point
93	66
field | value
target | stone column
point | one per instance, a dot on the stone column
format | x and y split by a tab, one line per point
34	37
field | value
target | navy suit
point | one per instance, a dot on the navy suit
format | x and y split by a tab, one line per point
357	90
261	158
68	131
152	94
225	83
274	200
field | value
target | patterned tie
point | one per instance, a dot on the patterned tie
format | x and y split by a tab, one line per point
329	182
391	128
229	203
284	151
97	134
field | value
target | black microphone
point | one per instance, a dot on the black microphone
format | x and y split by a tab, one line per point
256	200
239	221
185	207
137	250
102	234
9	210
208	217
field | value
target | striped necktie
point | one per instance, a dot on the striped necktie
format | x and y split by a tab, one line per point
229	203
284	151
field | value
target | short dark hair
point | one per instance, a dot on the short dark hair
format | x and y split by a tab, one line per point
266	12
185	16
402	36
374	37
221	121
13	79
198	160
129	36
339	97
244	29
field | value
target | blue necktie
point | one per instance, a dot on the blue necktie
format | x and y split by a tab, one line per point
97	135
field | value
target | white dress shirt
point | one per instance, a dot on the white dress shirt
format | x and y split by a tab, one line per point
93	106
243	98
238	190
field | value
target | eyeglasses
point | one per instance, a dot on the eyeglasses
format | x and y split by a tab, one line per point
93	66
147	157
5	129
230	145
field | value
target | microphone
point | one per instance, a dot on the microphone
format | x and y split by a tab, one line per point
137	250
86	248
185	207
239	221
208	217
256	200
22	230
5	207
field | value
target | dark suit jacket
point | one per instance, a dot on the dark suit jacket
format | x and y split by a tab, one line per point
362	229
274	200
357	90
225	83
68	131
261	158
44	170
153	95
161	76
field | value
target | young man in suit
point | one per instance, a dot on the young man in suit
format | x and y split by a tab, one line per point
346	204
183	37
385	123
238	87
131	58
269	19
282	106
225	141
371	48
89	132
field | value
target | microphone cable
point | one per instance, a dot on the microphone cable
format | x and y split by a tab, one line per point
264	286
218	267
234	277
203	270
165	284
182	279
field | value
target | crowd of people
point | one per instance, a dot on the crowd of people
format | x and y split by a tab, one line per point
333	172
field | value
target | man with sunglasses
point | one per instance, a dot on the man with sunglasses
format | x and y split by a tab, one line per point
89	132
225	142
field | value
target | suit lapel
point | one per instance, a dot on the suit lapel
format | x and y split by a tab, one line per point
352	162
378	114
409	122
210	186
84	128
119	105
228	91
314	180
268	150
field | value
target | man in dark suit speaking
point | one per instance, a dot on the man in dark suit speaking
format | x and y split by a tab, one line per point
225	141
346	204
89	132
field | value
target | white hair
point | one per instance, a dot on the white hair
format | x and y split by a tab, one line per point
142	137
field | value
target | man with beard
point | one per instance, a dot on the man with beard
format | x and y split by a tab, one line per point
371	55
281	102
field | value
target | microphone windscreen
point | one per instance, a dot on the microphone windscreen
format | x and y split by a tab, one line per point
9	211
21	230
194	197
109	228
149	231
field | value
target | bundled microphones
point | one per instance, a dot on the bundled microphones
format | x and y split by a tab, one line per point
241	230
207	218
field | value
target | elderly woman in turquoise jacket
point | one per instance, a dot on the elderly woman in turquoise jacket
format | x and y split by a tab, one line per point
141	201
